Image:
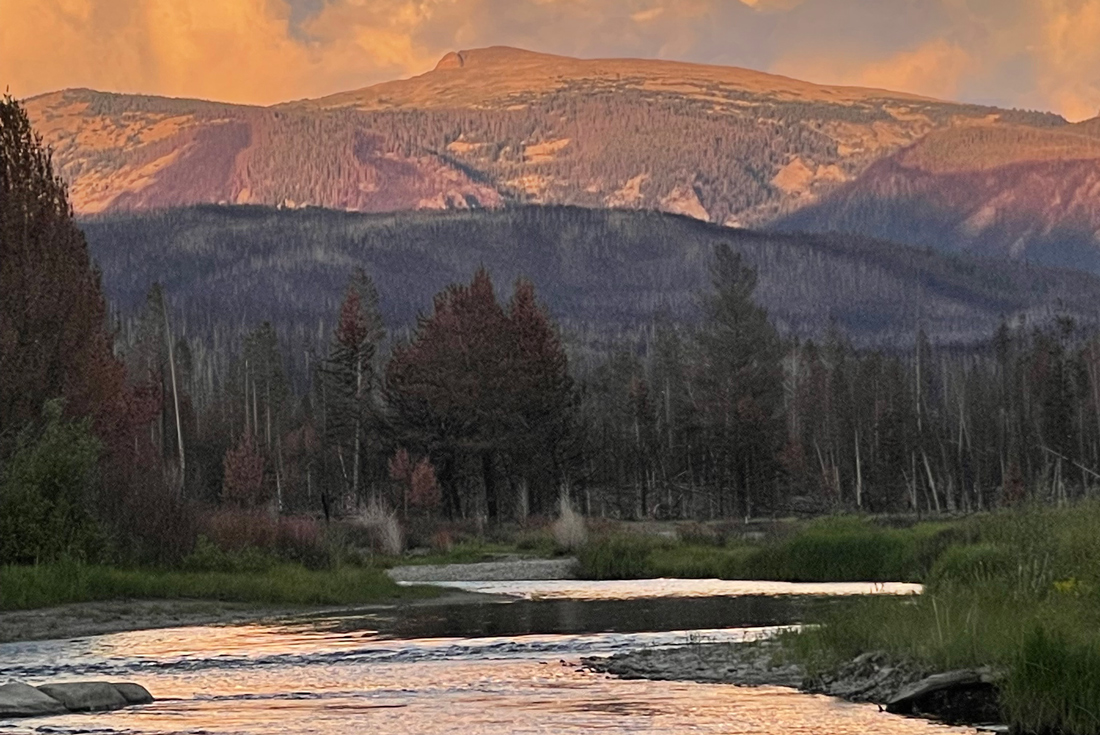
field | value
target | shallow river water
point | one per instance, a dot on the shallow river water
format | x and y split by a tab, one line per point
467	668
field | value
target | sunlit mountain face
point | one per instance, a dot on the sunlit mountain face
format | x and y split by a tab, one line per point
496	126
501	126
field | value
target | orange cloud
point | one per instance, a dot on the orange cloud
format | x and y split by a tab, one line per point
236	50
1035	53
934	69
1069	57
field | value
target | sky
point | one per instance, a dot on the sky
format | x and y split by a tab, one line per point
1035	54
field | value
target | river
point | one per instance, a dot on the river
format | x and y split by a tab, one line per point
471	668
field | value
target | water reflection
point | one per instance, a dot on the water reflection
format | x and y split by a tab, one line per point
633	589
474	697
493	668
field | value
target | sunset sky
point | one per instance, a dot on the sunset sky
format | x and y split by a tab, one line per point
1015	53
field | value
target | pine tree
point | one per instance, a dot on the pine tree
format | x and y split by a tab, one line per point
53	336
353	383
741	383
481	386
543	402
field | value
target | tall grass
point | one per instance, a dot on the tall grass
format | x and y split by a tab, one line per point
617	557
27	587
382	529
1023	598
828	550
569	530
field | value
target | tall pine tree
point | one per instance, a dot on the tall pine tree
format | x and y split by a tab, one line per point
53	337
741	384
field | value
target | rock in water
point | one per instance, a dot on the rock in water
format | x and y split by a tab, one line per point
134	693
86	696
22	700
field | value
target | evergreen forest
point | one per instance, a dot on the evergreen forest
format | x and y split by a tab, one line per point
252	362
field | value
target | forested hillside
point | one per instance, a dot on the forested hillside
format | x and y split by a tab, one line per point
601	273
276	369
700	411
500	125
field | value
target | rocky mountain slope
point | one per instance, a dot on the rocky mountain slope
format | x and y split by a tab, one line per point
1006	191
499	125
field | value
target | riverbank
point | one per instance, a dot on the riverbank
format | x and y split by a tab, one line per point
83	619
961	697
1013	594
47	585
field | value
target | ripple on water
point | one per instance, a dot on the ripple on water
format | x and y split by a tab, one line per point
340	675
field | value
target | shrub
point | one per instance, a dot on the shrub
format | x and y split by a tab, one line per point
570	532
846	550
209	557
301	539
46	494
701	534
417	481
442	541
149	520
243	483
235	529
968	565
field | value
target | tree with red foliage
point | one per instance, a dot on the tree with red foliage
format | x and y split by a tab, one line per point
244	484
417	481
53	336
544	401
481	385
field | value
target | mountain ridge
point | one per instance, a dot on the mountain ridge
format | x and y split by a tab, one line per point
529	69
500	126
1017	193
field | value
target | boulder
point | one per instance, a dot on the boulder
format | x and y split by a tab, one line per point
86	696
22	700
134	693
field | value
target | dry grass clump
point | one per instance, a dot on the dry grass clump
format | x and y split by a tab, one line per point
569	530
382	528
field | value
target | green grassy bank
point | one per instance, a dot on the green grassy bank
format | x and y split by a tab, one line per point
28	587
1017	591
843	549
1021	595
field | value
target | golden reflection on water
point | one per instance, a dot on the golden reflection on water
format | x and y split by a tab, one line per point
337	676
483	697
249	641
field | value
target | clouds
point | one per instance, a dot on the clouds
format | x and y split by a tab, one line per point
1032	53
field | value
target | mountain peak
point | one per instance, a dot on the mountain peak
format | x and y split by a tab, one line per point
492	56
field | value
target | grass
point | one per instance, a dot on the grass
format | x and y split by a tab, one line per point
829	550
1017	591
1022	598
335	573
28	587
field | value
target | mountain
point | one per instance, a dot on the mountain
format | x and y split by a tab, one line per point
1006	191
603	274
494	126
